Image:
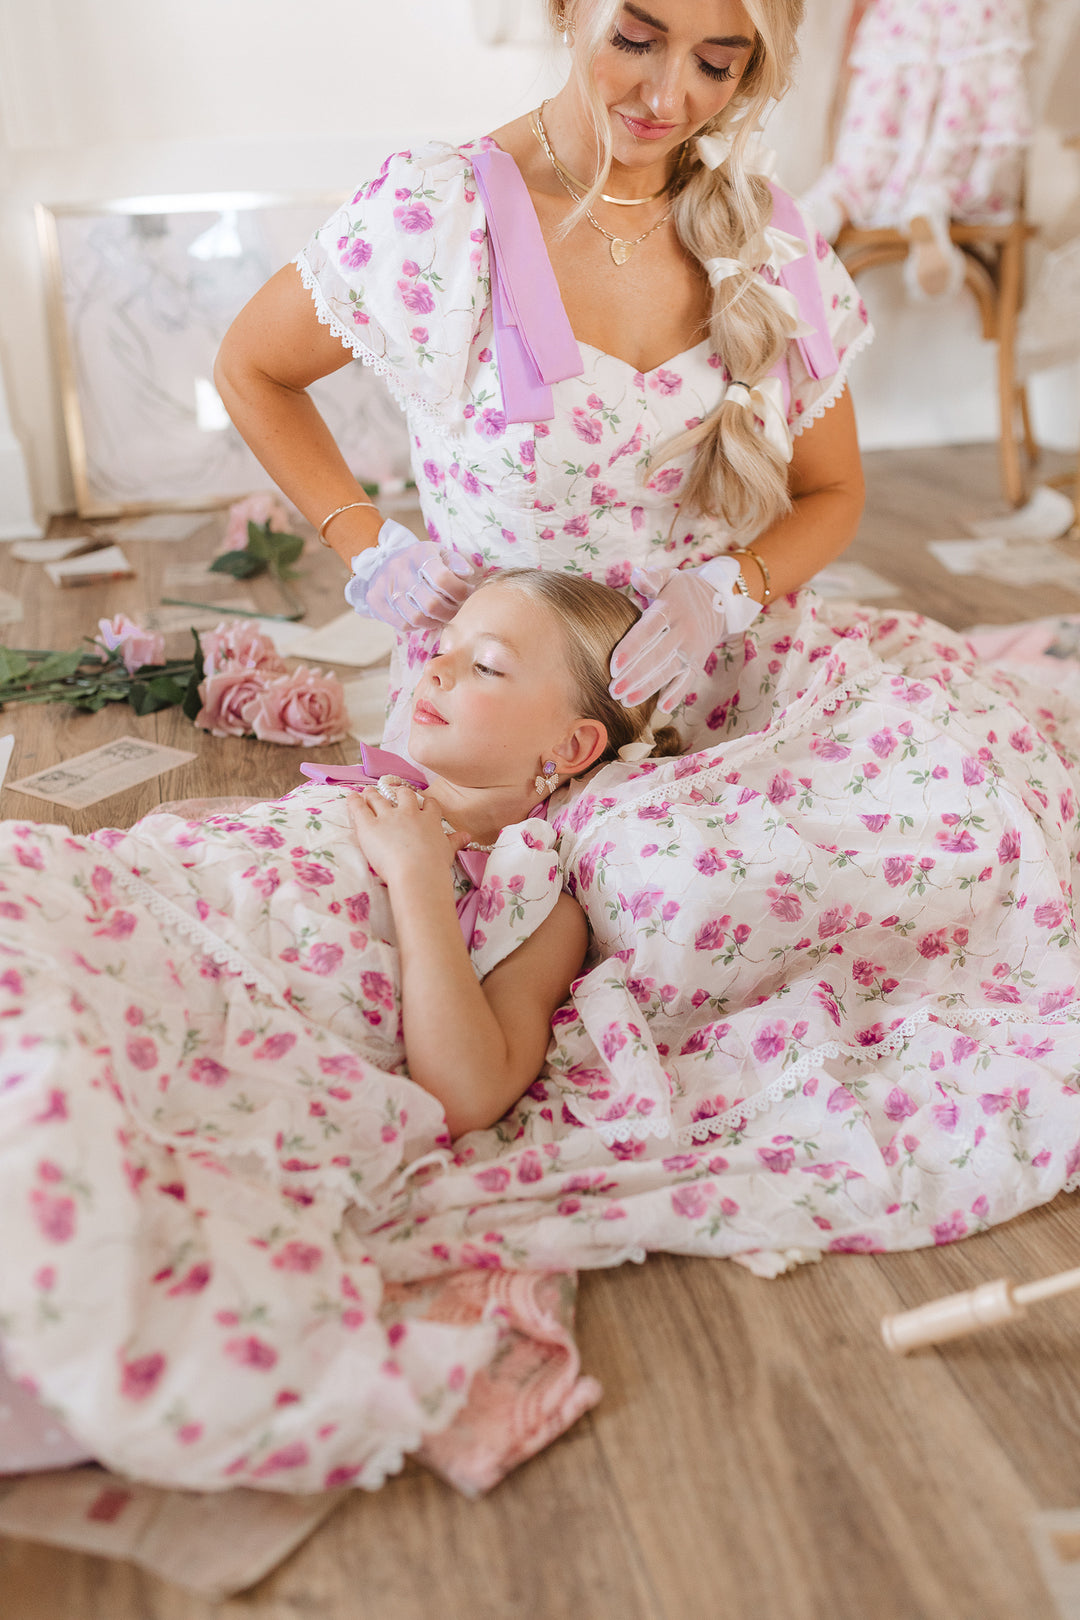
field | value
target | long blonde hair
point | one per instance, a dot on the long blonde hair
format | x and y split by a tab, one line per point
736	476
594	618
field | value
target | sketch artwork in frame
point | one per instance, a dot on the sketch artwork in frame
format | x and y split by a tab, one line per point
141	293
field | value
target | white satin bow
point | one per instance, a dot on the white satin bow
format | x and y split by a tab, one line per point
766	400
713	150
633	752
783	248
719	270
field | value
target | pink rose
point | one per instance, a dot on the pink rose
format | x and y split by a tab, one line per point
239	645
265	509
228	701
137	646
305	707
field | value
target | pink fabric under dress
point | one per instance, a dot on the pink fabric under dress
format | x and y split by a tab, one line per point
402	274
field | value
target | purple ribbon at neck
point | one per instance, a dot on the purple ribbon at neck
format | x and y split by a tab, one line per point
533	338
376	762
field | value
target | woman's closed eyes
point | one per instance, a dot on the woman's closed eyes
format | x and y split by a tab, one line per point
638	47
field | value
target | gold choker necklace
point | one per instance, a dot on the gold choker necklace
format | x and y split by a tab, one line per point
621	248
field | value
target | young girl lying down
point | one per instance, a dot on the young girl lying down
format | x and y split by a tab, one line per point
514	703
209	1037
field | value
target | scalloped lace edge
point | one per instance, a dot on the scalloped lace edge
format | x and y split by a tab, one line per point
702	1129
796	713
837	383
326	317
212	945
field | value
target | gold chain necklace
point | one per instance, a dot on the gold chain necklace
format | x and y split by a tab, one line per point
621	248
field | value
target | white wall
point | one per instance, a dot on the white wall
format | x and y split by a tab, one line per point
112	98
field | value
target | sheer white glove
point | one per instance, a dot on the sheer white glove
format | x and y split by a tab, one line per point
692	610
409	584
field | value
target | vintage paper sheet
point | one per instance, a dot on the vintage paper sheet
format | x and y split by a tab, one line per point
366	701
1009	562
91	569
348	639
162	525
1047	515
112	768
43	551
213	1543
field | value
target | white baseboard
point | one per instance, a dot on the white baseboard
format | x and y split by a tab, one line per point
17	520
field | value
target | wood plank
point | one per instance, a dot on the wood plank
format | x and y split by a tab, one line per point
1020	1376
769	1449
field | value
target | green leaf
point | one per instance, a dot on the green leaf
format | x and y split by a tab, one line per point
258	541
57	667
13	665
159	693
192	702
238	564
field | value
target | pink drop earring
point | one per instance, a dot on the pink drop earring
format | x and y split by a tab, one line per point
549	781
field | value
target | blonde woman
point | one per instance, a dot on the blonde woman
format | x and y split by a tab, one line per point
616	344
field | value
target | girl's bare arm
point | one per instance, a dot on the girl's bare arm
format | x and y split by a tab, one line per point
476	1047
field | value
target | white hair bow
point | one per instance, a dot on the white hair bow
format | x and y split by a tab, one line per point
719	270
766	400
632	752
713	150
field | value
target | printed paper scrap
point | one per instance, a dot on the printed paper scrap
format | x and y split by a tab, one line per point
112	768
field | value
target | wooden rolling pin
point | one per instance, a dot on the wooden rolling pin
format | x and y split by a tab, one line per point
957	1314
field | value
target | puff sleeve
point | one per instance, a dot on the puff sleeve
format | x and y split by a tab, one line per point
849	328
400	273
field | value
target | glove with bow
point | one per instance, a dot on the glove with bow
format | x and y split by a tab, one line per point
691	610
409	584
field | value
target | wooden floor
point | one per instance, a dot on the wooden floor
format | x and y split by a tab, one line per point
757	1455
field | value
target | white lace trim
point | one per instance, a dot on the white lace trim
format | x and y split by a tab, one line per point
702	1129
368	357
628	1130
837	382
1008	44
797	712
211	944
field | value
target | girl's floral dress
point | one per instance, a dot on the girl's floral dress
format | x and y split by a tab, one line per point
831	1007
402	274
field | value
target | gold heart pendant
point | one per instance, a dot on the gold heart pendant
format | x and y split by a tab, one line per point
620	250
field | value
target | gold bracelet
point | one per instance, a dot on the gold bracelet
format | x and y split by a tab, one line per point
324	525
766	577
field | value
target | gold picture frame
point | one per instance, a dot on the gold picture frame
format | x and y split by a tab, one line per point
141	291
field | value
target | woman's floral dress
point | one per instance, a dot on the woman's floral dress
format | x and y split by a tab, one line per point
401	273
